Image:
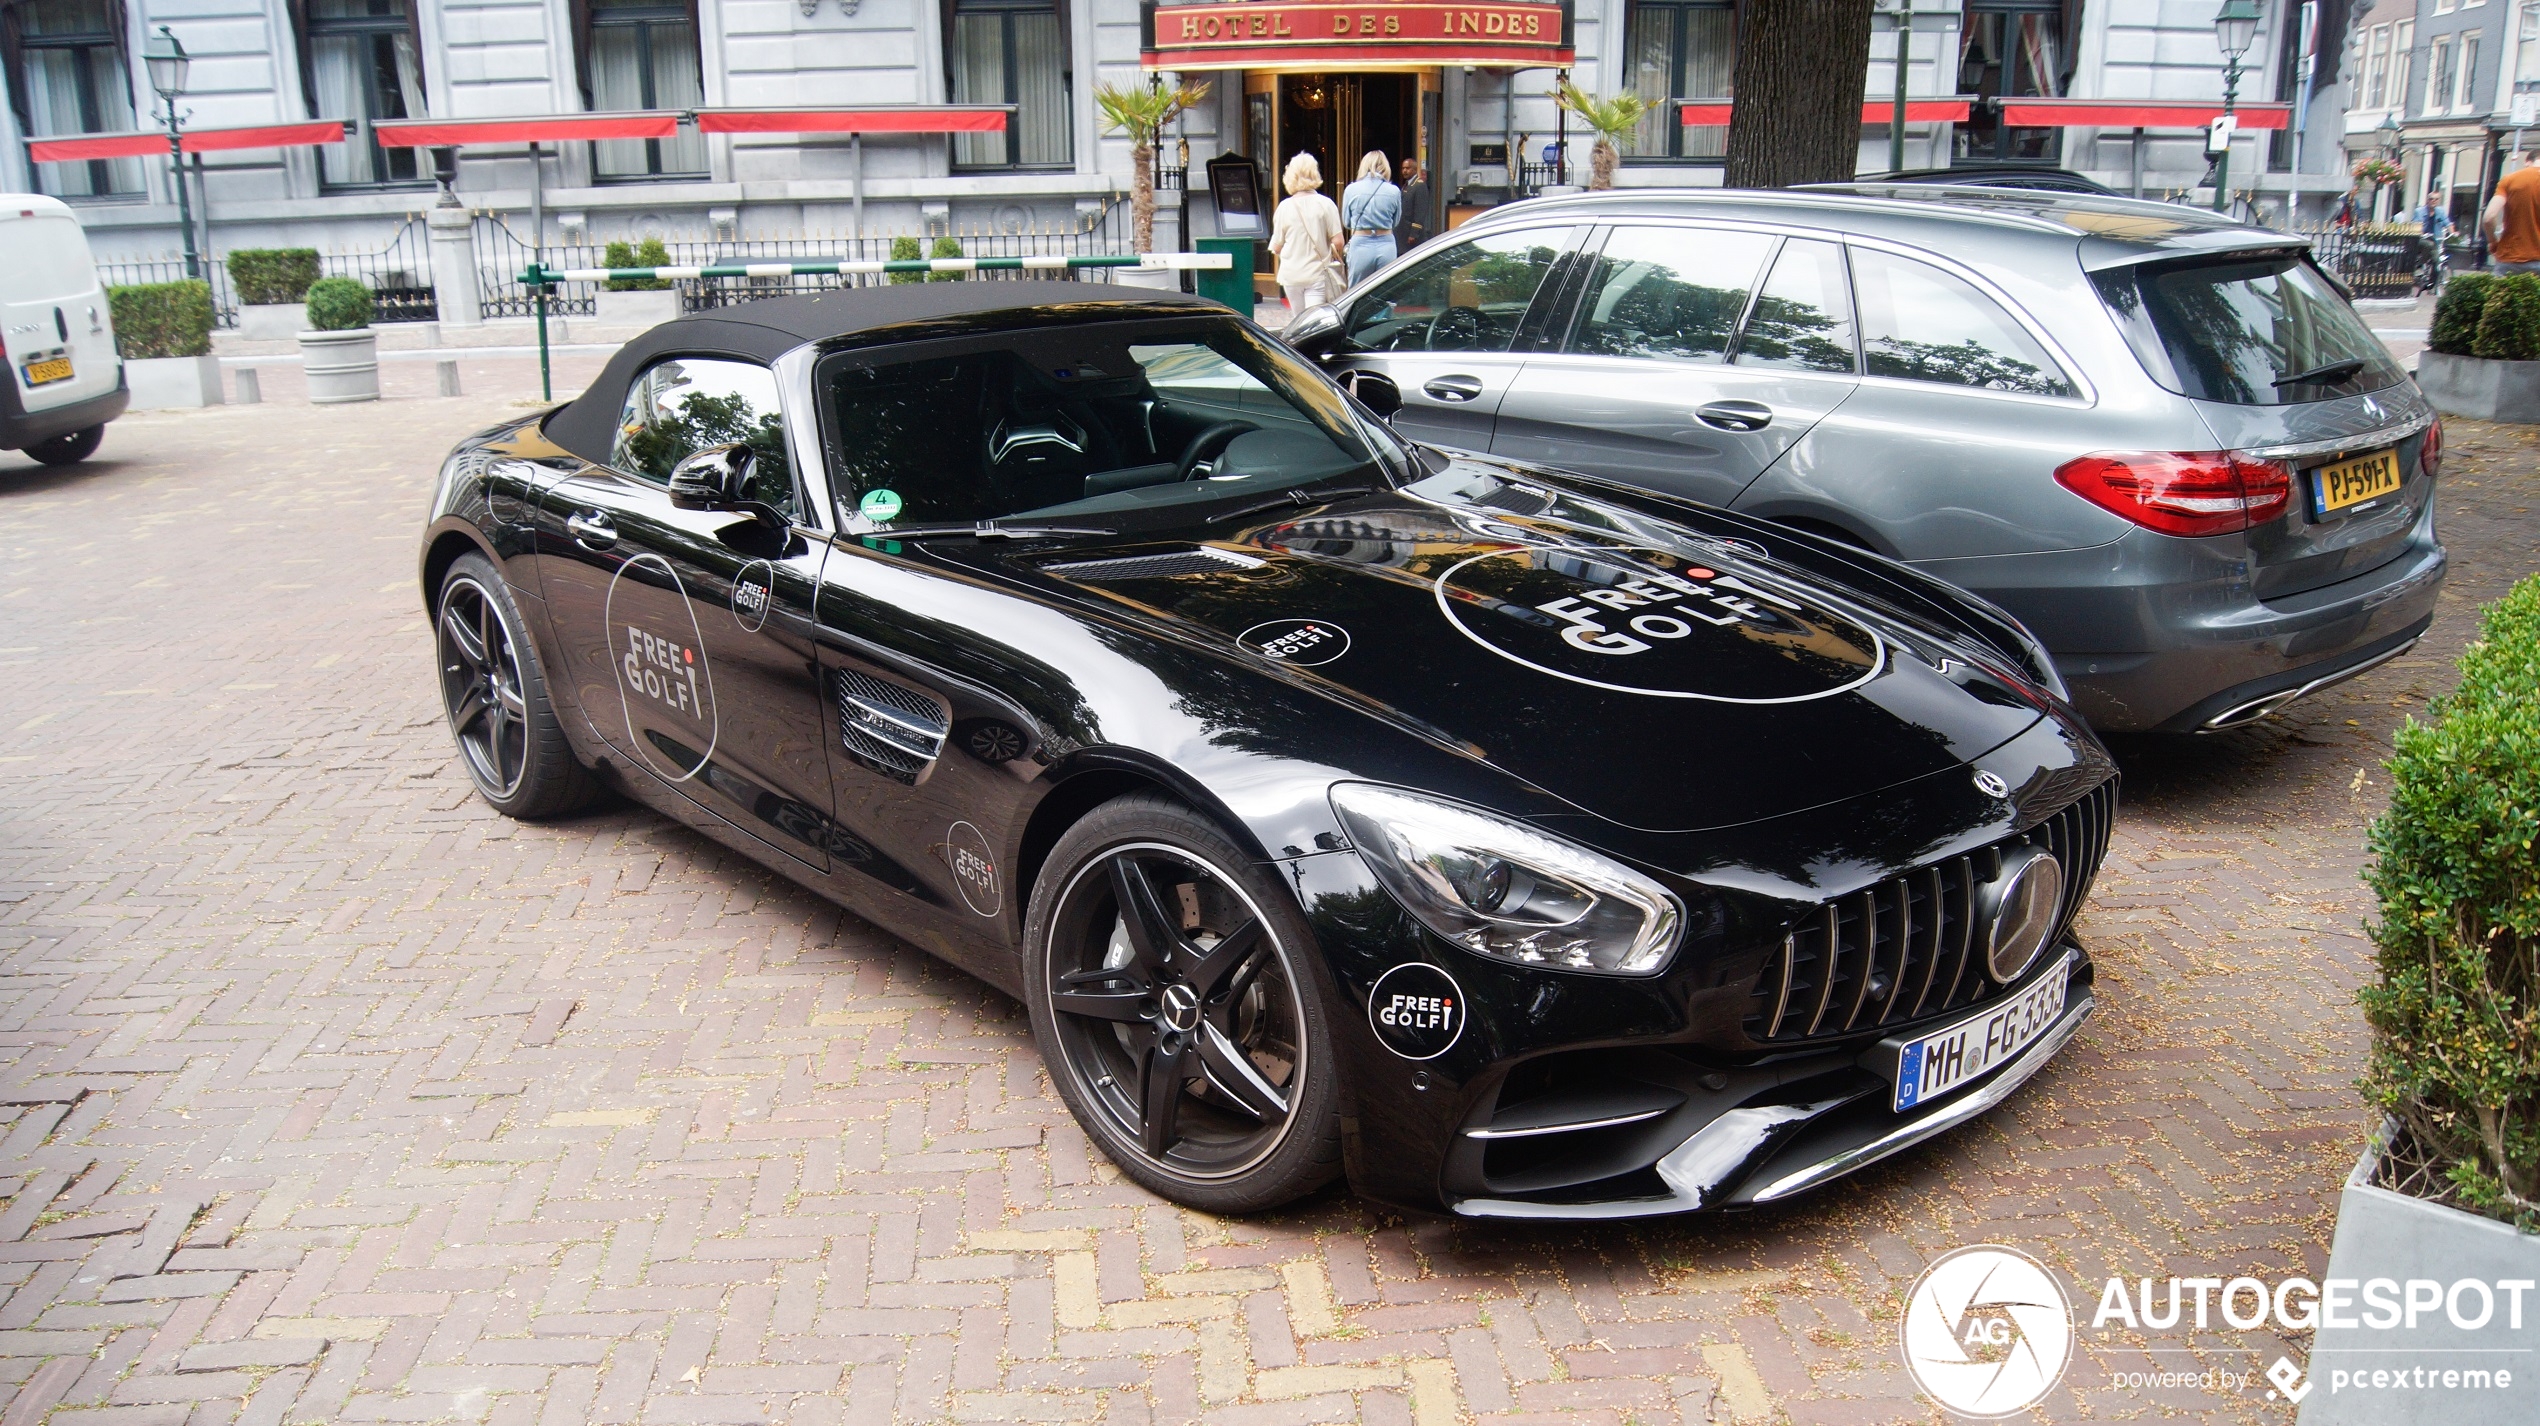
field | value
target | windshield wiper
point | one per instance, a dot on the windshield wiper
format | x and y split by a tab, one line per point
1290	499
2329	375
981	530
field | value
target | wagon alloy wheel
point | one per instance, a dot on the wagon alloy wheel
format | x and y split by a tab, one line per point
481	686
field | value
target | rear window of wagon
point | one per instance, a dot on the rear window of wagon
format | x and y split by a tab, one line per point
2253	329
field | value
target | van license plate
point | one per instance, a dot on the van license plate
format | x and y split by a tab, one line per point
50	369
1940	1062
2352	482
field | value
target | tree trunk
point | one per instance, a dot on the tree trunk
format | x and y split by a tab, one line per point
1142	195
1601	161
1801	68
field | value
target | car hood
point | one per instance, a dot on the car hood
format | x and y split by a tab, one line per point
1658	677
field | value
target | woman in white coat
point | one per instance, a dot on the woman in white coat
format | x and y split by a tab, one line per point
1305	235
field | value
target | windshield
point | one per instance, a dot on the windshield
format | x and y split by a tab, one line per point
2268	330
1083	421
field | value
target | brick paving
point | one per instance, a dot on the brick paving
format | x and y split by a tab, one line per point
326	1094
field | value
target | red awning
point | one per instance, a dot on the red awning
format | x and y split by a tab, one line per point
430	133
2137	113
258	136
871	119
1690	112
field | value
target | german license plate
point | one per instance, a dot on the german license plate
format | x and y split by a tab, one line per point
1945	1059
48	369
2352	482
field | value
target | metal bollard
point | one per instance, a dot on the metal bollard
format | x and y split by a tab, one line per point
449	377
250	386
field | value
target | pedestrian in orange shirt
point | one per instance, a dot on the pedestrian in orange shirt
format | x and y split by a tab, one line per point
2513	219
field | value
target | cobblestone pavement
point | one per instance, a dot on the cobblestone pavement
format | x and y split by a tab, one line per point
326	1094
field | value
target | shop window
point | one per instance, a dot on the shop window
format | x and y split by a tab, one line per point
2010	49
363	60
642	55
1013	52
69	76
1680	51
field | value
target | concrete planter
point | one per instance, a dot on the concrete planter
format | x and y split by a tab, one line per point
272	322
2480	388
173	383
342	366
637	309
2397	1238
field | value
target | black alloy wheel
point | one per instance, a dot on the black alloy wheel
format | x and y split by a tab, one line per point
496	697
1172	991
70	448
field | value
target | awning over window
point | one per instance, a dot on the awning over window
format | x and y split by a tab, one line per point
870	119
258	136
1691	112
433	133
1215	34
2138	113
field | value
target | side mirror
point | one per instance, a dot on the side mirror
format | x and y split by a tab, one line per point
1310	331
712	479
1375	391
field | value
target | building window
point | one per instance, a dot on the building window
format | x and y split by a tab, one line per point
2376	66
1680	51
642	55
2527	46
2443	73
365	64
71	78
1013	52
2465	98
2010	49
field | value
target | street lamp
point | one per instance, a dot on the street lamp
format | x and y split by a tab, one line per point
165	58
2235	30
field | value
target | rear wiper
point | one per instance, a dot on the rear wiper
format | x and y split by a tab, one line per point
2328	375
981	530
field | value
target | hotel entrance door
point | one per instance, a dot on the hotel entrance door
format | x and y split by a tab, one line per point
1338	118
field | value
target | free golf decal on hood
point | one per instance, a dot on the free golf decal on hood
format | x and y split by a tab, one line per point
1656	623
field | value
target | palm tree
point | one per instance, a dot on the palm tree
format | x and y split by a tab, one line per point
1142	113
1614	119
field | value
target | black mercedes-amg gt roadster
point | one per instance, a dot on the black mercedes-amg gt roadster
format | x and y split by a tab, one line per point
1514	843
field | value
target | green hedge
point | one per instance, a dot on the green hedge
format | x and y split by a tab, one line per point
338	304
946	246
162	319
648	253
2455	1012
272	276
2509	320
906	249
2456	313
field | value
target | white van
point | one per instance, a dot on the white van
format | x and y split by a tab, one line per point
65	379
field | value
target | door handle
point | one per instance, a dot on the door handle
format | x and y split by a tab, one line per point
1454	388
592	531
1735	415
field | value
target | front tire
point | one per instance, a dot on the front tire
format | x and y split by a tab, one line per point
1173	990
69	449
495	694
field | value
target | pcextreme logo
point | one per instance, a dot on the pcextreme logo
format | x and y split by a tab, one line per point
1988	1331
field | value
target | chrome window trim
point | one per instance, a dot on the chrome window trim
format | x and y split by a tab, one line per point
2340	445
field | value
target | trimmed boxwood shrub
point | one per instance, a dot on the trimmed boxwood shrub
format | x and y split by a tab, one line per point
946	246
2509	321
2455	1013
266	277
906	249
338	304
2456	313
162	319
648	253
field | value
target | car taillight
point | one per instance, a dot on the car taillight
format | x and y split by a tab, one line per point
2182	492
2430	455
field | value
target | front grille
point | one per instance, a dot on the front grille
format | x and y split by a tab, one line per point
1907	947
1204	560
893	730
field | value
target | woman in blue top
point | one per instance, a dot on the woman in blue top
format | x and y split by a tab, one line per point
1370	208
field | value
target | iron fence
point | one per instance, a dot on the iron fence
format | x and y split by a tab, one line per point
398	274
2376	259
136	272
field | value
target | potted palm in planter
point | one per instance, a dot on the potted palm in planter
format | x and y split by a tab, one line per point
2482	352
1613	119
340	351
1141	112
272	284
2449	1191
163	330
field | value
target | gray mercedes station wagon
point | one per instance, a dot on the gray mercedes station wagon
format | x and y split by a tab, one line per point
2164	442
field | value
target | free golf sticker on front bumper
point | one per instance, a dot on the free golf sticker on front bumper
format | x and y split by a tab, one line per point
1947	1058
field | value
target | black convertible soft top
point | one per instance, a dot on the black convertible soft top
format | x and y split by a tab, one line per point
764	331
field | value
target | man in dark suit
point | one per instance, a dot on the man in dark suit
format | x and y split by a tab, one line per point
1413	228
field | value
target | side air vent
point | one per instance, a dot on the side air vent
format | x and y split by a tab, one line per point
895	731
1516	500
1206	559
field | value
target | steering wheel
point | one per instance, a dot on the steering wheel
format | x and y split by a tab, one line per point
1208	445
1455	329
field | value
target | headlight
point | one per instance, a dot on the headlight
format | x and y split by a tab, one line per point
1506	890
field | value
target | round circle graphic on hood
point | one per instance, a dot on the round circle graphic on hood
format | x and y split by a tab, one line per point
1657	623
